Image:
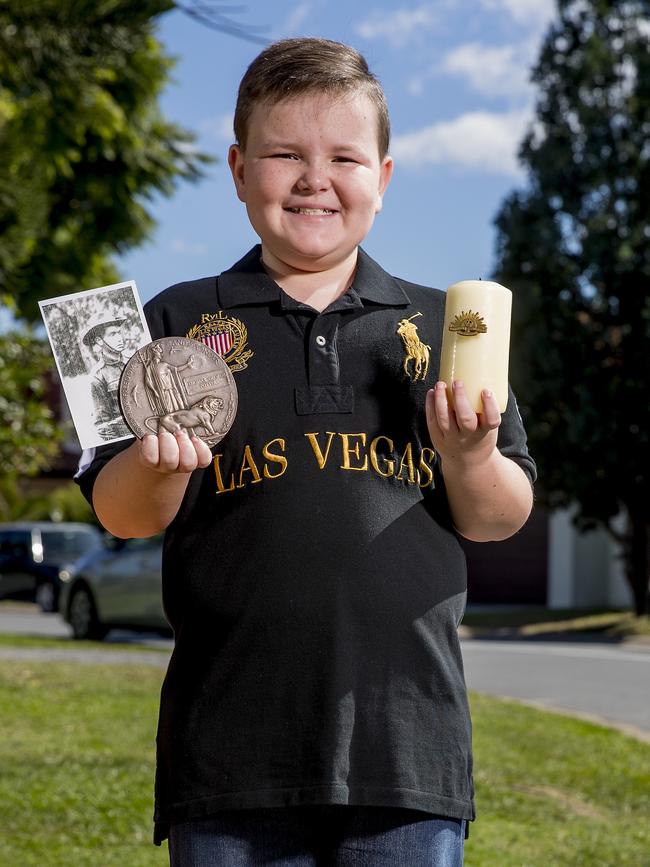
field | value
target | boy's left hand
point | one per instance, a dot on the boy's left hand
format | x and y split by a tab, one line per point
460	434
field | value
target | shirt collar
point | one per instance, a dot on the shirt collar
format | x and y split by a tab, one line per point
248	283
374	284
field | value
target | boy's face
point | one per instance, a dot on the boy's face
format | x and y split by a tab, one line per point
311	178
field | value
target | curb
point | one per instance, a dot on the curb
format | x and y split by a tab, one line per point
85	656
535	633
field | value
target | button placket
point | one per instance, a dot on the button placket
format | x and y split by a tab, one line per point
323	354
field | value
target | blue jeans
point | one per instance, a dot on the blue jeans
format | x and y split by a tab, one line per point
319	836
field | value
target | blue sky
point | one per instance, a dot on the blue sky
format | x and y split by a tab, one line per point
456	75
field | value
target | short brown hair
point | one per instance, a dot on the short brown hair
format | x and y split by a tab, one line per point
293	67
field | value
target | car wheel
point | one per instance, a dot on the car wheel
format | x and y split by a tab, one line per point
46	597
83	616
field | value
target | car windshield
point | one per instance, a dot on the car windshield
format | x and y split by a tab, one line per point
66	545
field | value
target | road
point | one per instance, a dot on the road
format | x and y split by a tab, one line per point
607	682
26	619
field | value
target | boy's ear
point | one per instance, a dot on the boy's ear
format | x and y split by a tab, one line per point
236	164
385	174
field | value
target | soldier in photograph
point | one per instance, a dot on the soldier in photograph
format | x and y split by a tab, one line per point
104	335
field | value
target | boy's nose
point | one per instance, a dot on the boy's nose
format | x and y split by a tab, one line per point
313	179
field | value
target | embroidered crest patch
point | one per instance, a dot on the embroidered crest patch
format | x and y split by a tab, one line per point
227	336
416	351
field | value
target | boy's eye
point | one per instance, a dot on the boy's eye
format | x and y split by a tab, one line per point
286	156
343	160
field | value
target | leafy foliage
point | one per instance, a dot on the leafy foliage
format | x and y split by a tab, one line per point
63	503
575	248
84	149
84	143
29	435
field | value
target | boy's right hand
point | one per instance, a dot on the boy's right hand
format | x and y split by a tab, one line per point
174	453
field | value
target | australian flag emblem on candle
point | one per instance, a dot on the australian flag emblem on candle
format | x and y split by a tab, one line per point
225	335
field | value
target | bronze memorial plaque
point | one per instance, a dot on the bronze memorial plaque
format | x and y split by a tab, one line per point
176	383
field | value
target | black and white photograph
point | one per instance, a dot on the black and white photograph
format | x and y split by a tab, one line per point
93	334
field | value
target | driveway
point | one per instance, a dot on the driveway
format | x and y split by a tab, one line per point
18	618
605	682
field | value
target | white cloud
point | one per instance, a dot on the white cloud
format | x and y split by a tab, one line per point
219	127
533	14
293	24
399	26
188	248
491	70
477	140
415	85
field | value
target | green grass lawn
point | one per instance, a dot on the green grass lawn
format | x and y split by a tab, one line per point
554	791
76	765
45	643
76	776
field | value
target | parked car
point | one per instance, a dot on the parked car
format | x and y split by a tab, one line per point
32	554
118	586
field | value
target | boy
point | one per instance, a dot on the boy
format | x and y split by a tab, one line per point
314	711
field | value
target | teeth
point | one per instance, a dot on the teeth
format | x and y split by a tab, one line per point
314	212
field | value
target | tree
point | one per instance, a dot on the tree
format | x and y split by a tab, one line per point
575	248
84	147
63	503
84	143
29	434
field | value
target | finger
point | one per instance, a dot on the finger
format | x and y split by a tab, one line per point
168	449
149	450
444	416
187	460
466	417
490	418
203	453
430	413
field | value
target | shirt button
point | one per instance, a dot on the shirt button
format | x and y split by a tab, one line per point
320	340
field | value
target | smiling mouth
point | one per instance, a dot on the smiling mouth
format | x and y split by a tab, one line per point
311	212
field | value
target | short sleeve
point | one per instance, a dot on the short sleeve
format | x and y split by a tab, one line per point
92	461
512	440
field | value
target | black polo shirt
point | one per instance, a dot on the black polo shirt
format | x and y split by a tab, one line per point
312	576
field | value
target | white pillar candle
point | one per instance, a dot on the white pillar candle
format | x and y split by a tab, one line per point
476	339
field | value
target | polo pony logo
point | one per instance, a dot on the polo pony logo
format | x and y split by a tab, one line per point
227	336
416	351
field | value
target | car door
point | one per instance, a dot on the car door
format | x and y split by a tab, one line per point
16	564
131	585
